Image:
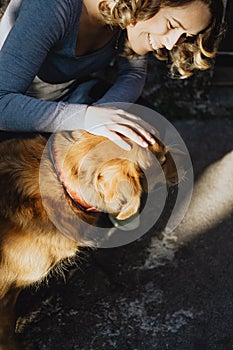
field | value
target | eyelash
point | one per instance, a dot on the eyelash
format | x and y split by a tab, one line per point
169	25
187	37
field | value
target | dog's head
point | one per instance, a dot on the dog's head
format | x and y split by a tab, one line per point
101	176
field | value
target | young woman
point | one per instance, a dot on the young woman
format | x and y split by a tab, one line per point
52	49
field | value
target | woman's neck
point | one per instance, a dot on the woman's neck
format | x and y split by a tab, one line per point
91	11
93	33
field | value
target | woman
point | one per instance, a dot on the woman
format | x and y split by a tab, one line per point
51	50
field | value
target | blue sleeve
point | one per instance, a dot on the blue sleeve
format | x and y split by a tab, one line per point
130	80
39	25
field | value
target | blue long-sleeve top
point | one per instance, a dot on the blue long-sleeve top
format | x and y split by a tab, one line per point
38	39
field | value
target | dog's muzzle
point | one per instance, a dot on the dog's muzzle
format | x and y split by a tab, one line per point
128	224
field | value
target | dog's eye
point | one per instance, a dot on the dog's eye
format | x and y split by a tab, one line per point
123	201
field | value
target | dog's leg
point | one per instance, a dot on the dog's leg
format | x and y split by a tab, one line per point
25	258
7	320
18	263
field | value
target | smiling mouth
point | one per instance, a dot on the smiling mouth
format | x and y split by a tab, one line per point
152	43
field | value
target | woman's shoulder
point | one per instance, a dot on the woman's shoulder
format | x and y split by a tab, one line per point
67	5
68	8
60	14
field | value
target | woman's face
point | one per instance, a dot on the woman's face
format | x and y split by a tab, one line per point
168	26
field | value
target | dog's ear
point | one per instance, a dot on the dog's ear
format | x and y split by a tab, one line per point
118	183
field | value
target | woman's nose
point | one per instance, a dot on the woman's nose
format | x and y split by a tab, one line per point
173	38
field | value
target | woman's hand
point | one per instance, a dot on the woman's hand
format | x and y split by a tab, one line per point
114	123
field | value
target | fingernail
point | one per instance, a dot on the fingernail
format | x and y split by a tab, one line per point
144	144
152	141
126	147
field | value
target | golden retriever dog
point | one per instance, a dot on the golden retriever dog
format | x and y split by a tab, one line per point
90	173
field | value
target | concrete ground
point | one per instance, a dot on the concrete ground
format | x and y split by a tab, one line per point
164	291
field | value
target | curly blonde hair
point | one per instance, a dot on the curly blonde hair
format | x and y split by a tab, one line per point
185	58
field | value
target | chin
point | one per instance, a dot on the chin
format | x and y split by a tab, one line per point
139	51
136	47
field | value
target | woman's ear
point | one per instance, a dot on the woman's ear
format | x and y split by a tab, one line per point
133	22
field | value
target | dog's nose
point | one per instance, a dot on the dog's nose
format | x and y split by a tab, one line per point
129	224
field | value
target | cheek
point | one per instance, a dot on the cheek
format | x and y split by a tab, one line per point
155	25
158	28
136	40
133	34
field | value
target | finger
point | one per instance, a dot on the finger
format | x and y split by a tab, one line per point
117	140
141	126
130	133
147	126
136	128
145	134
122	112
139	120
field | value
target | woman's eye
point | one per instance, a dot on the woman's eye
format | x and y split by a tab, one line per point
169	25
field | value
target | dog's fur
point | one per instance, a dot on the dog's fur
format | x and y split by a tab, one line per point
108	177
